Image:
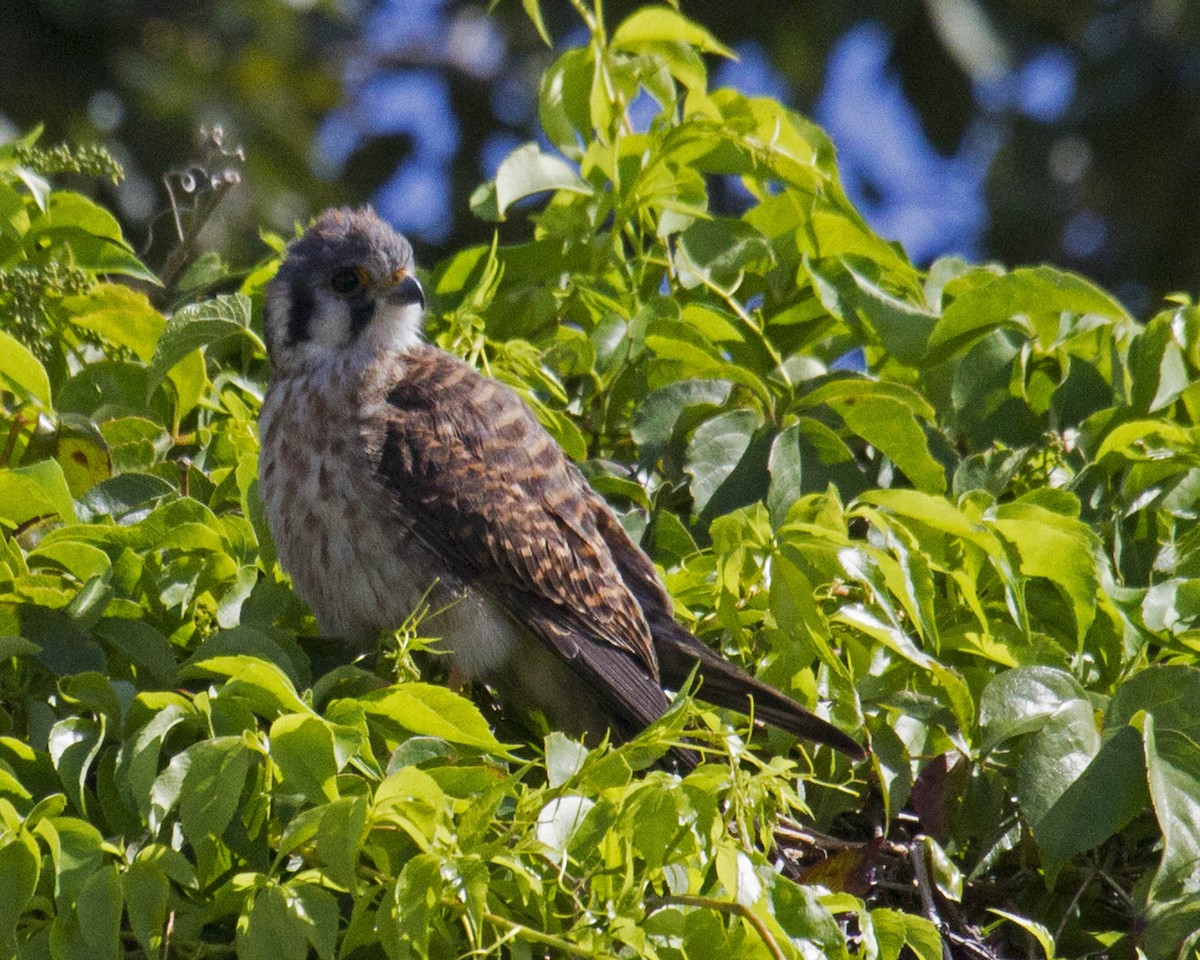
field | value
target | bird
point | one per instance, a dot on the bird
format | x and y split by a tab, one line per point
393	474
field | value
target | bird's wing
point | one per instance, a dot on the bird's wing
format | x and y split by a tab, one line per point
679	653
484	486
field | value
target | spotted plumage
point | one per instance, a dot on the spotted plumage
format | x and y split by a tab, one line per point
392	472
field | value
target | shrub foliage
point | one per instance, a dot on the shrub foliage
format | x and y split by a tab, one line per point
983	553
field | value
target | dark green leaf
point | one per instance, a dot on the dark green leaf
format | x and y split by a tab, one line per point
146	897
1021	701
1096	804
20	867
273	928
197	326
211	791
718	448
1173	775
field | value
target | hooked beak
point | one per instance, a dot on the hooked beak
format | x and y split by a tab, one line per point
404	289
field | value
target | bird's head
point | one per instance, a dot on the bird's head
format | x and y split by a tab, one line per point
346	285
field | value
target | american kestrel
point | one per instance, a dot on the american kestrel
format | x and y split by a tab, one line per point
390	469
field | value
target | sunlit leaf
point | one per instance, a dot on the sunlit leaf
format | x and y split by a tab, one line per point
432	711
525	172
38	490
21	372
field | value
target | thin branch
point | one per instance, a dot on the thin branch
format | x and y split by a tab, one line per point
537	936
916	856
206	182
722	906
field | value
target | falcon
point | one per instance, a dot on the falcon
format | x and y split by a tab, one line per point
393	474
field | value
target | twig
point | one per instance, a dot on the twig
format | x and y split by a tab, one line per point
19	423
916	856
722	906
537	936
168	928
207	182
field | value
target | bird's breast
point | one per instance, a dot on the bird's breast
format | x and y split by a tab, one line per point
339	534
350	559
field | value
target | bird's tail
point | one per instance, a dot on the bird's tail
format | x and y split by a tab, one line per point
723	684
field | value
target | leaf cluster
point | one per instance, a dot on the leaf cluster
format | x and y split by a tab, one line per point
979	545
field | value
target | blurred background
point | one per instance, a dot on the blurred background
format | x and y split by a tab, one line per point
1020	130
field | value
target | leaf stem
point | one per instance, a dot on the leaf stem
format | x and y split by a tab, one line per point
537	936
18	424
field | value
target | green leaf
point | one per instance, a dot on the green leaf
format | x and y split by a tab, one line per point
137	763
303	747
119	496
727	467
262	685
1096	804
1173	930
406	916
197	326
533	10
1022	700
946	876
895	930
35	492
719	252
343	828
1157	363
433	711
1173	775
564	758
212	787
900	327
90	232
892	428
146	896
73	745
656	419
1044	938
786	467
558	821
273	928
525	172
412	799
736	872
1012	299
121	316
1058	548
82	560
93	928
319	911
93	693
22	372
654	24
18	647
563	107
82	454
1054	756
1168	691
76	849
20	867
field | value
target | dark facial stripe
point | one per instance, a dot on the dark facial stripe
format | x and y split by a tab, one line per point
302	310
362	309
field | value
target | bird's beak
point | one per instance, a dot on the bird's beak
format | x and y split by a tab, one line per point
404	289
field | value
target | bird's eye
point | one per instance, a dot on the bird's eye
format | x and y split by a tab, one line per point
348	280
